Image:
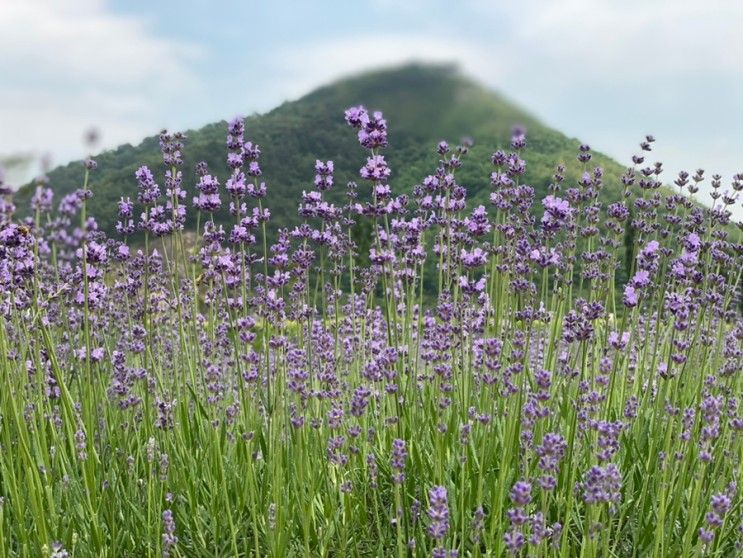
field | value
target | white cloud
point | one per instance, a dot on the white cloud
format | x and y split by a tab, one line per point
576	42
616	38
72	65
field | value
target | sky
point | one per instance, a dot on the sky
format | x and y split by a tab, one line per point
605	71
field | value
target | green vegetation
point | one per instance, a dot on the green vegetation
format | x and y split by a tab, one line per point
423	104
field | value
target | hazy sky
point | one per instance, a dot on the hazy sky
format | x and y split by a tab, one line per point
606	71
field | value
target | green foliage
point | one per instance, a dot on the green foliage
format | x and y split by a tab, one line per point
423	105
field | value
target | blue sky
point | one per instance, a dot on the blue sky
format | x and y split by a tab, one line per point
606	71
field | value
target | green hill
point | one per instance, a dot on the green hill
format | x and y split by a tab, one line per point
423	105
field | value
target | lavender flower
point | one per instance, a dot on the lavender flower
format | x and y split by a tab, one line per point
438	512
602	485
170	540
399	455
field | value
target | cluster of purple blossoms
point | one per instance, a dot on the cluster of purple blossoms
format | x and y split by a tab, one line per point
314	204
397	462
58	551
170	540
208	199
477	525
158	218
17	262
243	159
372	127
557	213
171	146
165	414
602	485
81	445
578	324
373	136
619	341
517	515
647	259
438	512
376	169
323	175
684	267
70	204
42	199
125	226
607	439
473	259
148	190
720	504
550	453
92	258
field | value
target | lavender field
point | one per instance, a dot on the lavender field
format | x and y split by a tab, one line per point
477	380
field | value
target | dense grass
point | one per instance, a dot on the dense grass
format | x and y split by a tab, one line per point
474	383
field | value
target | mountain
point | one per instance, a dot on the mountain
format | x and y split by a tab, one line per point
423	104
